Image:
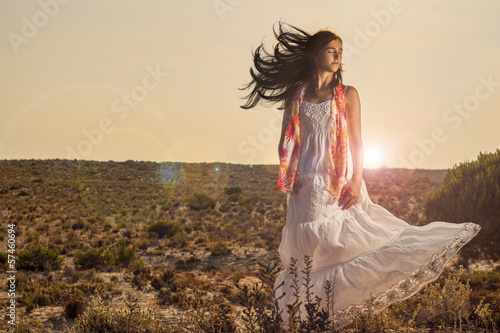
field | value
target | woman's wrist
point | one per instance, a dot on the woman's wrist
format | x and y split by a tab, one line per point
357	178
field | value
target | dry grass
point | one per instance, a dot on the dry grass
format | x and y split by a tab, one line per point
75	206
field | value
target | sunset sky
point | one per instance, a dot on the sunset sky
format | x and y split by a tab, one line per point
158	80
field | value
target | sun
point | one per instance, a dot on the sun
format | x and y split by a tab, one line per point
373	157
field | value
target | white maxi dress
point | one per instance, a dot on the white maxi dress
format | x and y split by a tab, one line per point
373	258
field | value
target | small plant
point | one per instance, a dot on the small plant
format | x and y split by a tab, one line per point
124	254
219	320
220	248
157	282
93	258
165	297
141	277
38	258
261	312
103	319
163	228
120	254
447	305
74	302
233	190
201	201
136	265
143	244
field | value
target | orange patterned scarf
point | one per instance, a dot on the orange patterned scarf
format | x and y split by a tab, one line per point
337	156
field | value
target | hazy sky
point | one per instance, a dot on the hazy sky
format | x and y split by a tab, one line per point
158	80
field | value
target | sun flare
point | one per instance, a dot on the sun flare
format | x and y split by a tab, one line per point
373	157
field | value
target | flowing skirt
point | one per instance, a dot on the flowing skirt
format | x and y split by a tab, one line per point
372	258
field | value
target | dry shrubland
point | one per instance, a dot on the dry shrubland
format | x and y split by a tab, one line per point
175	247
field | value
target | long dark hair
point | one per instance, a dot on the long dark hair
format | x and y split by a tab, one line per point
277	76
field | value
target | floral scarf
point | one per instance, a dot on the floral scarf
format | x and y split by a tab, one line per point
337	156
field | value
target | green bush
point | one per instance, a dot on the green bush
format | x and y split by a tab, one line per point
233	190
120	254
102	319
175	229
38	258
220	248
159	227
136	265
163	228
471	193
93	258
201	201
124	254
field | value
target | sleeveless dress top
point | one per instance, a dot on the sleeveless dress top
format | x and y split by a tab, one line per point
337	150
314	136
364	250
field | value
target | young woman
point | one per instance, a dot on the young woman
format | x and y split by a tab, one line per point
358	245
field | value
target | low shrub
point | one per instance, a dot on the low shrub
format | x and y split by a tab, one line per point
100	258
163	228
124	254
201	201
220	316
220	248
93	258
233	190
74	302
38	258
103	319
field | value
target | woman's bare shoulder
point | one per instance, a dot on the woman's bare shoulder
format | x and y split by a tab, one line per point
351	95
350	91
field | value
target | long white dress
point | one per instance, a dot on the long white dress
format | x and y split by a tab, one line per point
365	250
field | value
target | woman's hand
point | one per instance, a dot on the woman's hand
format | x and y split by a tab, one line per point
350	194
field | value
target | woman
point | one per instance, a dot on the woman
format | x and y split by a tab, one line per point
358	245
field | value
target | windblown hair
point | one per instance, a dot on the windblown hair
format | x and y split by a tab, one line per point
277	76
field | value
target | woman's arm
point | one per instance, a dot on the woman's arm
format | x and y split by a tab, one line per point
286	118
350	191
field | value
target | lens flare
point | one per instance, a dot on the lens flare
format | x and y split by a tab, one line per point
170	175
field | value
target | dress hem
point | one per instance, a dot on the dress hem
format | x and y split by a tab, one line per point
412	284
406	287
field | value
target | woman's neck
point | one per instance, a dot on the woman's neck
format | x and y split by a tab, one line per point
322	81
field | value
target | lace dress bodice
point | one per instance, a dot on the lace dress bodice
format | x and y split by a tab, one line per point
314	137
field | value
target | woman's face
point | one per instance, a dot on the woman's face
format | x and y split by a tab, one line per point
330	57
